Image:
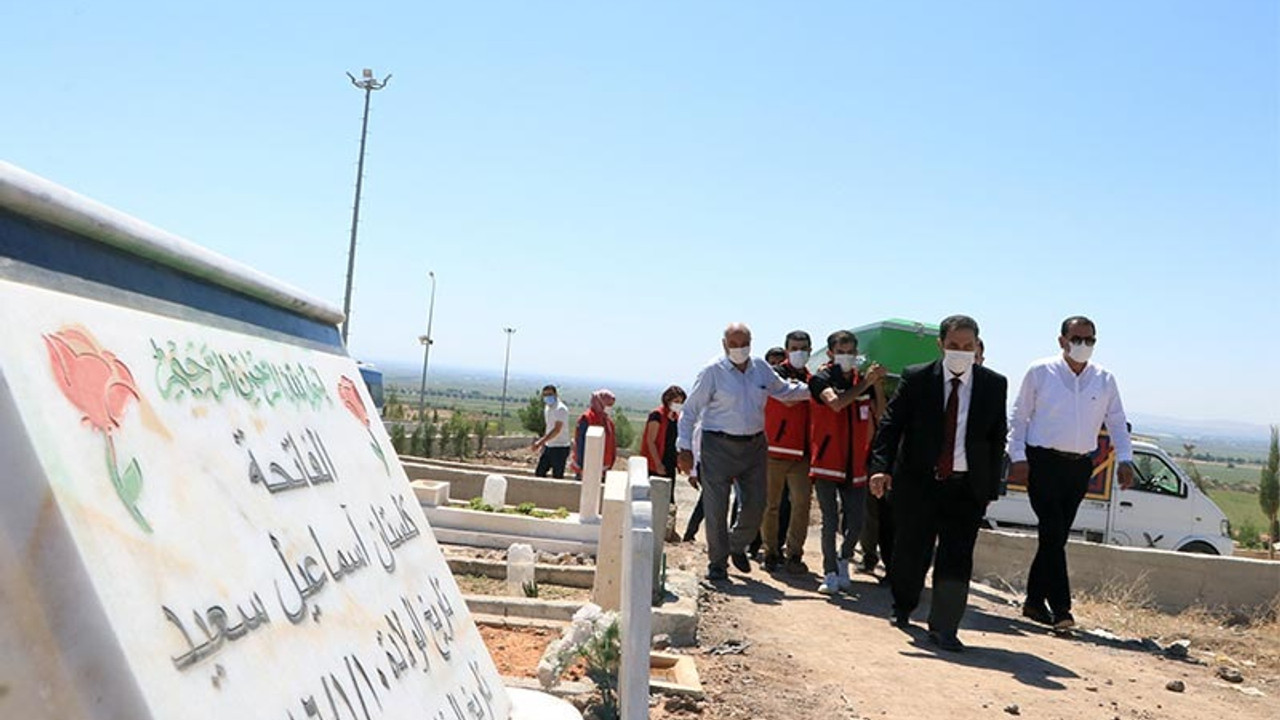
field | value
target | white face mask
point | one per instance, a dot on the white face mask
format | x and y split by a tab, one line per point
846	362
958	362
740	355
1080	353
798	358
677	407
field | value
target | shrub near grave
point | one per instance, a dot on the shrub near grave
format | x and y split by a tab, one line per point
560	513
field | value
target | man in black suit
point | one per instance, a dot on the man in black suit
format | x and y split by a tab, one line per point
949	417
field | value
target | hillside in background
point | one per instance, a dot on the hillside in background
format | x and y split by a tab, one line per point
483	389
1214	439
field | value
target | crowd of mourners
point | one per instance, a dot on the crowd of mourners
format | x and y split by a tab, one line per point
906	474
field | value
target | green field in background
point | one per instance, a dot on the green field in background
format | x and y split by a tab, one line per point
1240	508
1238	475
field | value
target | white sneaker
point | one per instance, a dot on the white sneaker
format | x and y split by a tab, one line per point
830	584
842	576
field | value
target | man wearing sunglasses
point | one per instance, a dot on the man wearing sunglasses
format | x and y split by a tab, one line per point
1062	405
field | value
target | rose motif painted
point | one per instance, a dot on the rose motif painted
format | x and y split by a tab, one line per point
100	386
350	396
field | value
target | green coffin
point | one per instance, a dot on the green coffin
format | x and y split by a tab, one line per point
897	344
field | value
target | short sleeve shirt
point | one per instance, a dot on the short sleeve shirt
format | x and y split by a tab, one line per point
558	413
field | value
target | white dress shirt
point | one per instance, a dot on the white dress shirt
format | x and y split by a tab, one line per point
960	461
728	400
1058	409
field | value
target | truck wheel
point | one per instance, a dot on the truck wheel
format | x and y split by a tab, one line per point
1200	547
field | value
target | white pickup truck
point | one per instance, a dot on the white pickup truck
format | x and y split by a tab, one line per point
1163	509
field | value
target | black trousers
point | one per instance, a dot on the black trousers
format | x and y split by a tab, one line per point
552	459
877	532
1056	486
928	512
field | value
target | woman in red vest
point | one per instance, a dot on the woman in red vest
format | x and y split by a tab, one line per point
597	414
659	445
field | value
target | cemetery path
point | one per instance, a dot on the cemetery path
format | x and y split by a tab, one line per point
809	656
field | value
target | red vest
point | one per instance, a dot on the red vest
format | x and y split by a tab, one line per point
586	420
655	463
841	440
787	428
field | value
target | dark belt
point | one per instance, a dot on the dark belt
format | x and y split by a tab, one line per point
735	438
952	476
1060	453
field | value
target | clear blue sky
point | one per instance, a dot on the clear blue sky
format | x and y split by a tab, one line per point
619	182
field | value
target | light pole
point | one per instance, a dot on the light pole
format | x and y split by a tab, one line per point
502	414
368	84
426	349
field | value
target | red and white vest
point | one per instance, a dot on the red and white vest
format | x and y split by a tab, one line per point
840	441
787	427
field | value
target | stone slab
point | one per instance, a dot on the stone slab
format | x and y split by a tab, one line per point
592	472
567	575
533	705
468	482
198	519
489	539
608	585
1175	580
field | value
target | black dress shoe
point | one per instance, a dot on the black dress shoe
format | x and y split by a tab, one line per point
1063	621
900	621
946	641
741	562
796	566
717	574
771	563
1037	613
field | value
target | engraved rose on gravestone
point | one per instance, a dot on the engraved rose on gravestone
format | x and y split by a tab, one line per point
350	396
100	386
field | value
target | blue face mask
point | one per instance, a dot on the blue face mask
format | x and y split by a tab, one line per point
549	399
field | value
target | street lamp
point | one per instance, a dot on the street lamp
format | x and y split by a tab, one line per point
502	415
426	349
367	83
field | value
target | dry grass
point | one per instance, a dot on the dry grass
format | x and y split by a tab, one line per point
1219	637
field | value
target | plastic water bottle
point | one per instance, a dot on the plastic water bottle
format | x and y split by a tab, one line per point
495	492
520	569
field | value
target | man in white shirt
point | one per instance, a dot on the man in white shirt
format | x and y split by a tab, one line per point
555	442
1062	405
728	398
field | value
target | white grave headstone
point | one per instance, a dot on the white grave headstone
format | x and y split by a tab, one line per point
592	474
607	588
201	517
637	597
495	491
521	571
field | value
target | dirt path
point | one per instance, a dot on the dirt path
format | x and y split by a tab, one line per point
815	657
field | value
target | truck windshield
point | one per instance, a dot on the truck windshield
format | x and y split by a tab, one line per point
1152	474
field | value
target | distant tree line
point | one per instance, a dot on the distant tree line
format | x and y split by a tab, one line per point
458	437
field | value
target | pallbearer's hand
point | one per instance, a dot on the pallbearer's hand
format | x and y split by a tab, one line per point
684	461
876	373
881	483
1125	474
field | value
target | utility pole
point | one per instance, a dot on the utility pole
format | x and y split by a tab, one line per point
426	349
367	83
506	366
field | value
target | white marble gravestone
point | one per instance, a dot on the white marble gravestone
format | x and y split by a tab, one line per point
200	513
